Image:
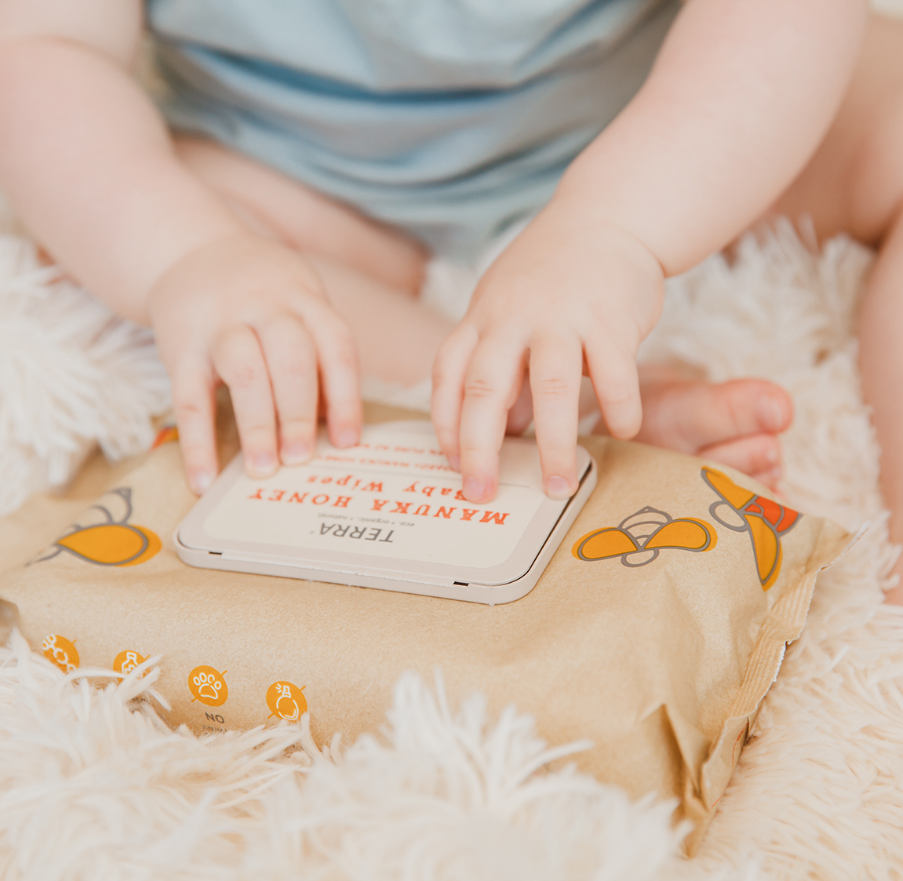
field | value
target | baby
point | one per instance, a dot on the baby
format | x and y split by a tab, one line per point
275	234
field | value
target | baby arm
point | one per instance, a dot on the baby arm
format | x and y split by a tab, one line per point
89	165
740	96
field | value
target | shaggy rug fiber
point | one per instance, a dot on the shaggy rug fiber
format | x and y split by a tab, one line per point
94	786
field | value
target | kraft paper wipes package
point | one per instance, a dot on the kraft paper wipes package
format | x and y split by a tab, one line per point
655	631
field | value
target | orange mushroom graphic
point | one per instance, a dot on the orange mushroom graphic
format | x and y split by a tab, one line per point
764	520
638	539
111	542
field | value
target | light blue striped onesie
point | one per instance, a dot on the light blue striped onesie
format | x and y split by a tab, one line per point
449	118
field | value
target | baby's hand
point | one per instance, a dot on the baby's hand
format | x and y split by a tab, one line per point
566	297
253	314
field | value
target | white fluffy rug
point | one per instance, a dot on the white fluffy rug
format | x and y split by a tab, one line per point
94	786
71	375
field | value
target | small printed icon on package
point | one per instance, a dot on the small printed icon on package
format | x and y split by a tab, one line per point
765	521
166	435
126	661
208	686
639	539
112	541
60	651
286	701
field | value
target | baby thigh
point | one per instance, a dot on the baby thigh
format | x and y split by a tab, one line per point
370	273
276	206
854	181
854	184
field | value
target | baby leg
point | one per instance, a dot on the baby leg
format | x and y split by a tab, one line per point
370	272
275	205
881	362
735	423
854	184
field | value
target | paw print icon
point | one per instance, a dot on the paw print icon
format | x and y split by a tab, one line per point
208	686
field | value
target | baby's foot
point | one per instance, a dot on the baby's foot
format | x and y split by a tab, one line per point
735	423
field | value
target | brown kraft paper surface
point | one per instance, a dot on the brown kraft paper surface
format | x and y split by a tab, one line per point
659	657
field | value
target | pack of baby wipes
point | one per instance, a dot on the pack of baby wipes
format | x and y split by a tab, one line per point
654	631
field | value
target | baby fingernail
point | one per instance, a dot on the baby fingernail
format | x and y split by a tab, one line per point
199	481
558	488
473	488
347	437
771	414
455	462
295	453
773	456
261	464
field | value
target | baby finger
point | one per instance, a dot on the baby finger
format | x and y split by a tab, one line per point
617	386
490	389
193	405
337	356
239	362
556	368
449	371
292	362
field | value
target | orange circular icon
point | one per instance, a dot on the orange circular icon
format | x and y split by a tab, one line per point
58	650
126	661
286	701
208	686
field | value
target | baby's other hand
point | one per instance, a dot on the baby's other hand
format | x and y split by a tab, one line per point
253	315
568	296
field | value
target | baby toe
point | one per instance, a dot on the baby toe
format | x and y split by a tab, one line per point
758	455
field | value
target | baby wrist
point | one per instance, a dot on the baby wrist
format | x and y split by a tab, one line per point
587	217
